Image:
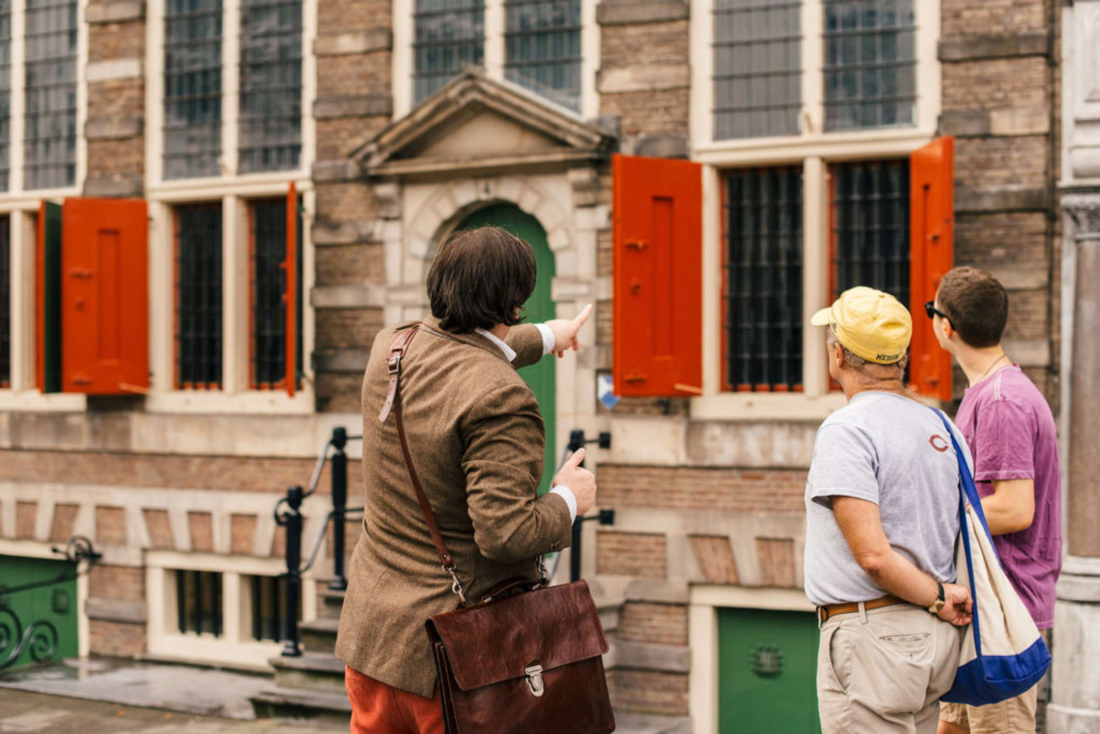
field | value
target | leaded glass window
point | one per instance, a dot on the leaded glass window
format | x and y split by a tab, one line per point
199	296
870	223
543	48
271	85
49	141
192	88
268	222
757	68
763	280
870	64
450	35
5	96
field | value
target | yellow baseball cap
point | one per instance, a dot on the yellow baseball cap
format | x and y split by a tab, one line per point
869	323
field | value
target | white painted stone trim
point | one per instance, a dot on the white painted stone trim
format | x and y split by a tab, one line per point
235	647
706	600
114	70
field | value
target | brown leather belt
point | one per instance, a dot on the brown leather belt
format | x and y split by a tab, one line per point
824	613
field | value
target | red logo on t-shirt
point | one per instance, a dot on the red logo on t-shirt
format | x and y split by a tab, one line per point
939	443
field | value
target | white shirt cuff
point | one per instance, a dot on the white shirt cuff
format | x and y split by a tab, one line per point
567	494
547	338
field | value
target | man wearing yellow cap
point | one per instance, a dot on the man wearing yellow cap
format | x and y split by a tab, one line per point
882	516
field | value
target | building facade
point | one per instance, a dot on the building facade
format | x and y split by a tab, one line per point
773	153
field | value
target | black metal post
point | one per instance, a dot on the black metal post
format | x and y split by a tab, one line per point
339	507
292	519
576	443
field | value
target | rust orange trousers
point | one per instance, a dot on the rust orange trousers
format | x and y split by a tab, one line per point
377	708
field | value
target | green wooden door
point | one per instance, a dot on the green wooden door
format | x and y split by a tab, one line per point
767	672
539	308
56	603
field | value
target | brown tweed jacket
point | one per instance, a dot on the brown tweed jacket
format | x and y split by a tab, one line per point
476	438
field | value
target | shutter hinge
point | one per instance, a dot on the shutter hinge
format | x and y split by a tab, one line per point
636	377
82	380
638	245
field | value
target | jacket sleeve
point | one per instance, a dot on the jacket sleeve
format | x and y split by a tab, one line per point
503	459
526	341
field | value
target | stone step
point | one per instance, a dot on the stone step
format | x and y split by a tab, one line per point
328	710
331	603
312	671
319	635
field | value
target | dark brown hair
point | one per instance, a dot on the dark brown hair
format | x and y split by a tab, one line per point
976	304
479	278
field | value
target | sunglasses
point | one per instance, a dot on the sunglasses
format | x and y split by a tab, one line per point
932	311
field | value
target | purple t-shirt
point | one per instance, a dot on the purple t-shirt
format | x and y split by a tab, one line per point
1012	435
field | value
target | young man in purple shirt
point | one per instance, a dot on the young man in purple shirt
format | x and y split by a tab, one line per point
1012	435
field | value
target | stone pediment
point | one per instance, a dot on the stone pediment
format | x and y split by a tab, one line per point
476	124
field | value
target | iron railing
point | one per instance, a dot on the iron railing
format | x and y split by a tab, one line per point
40	638
288	514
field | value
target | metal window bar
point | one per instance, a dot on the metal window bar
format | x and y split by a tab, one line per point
5	302
5	96
450	36
543	48
271	85
764	280
268	605
199	296
192	88
49	138
871	227
199	602
758	68
268	285
870	64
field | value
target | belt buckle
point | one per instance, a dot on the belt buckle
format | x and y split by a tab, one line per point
393	364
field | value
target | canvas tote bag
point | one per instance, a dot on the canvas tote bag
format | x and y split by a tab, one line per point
1003	654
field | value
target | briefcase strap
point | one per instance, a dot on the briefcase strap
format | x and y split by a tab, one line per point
393	402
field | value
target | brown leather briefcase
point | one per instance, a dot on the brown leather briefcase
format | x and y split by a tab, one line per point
525	658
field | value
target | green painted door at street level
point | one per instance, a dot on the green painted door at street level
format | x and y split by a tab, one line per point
539	308
56	603
767	672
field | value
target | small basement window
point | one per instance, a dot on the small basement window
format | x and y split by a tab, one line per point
199	603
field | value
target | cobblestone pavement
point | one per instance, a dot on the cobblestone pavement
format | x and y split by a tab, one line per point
34	713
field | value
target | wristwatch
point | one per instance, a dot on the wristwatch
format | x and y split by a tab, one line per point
938	604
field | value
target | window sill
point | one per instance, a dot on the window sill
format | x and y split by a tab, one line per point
36	402
252	184
214	402
194	648
766	406
839	145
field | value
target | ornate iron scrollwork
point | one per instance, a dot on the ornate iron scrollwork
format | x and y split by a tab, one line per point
40	638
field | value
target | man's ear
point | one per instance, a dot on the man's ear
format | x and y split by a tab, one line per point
948	329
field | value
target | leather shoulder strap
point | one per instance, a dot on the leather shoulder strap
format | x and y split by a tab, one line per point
393	401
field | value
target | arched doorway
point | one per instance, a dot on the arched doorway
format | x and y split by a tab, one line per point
540	307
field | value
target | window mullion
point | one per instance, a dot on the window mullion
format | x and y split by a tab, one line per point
235	296
17	124
815	272
231	607
813	78
231	85
495	25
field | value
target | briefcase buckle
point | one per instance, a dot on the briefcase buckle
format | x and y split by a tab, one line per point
535	681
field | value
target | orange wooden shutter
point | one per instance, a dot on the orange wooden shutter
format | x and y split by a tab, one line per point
932	240
658	274
290	296
105	296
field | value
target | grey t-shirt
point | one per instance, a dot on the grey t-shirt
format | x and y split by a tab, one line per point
895	452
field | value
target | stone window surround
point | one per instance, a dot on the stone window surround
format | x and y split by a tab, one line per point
813	151
235	647
403	61
16	194
234	190
705	601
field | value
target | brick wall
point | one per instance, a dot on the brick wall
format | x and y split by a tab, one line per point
632	554
661	624
702	489
116	99
999	100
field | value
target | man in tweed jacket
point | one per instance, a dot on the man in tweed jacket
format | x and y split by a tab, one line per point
477	439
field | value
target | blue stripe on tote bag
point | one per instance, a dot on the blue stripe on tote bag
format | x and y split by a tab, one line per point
1003	654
